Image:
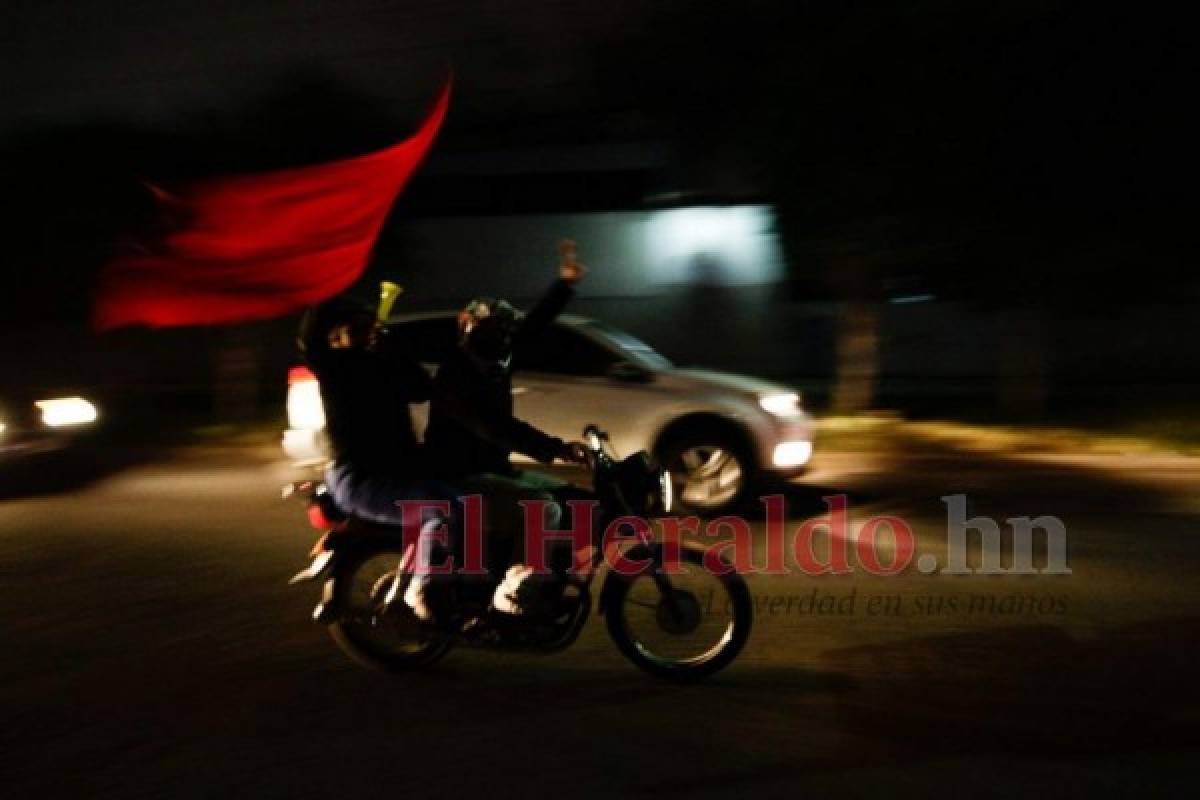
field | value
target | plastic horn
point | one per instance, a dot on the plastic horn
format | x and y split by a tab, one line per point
388	292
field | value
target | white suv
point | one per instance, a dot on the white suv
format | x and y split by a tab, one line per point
717	433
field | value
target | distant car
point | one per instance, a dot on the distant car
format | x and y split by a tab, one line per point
718	434
31	423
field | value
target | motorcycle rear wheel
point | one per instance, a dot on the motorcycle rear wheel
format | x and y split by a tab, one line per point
390	639
728	617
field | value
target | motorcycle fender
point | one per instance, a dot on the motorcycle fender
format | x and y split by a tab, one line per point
326	553
327	610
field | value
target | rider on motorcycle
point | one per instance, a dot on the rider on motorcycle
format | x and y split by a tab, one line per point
367	383
472	429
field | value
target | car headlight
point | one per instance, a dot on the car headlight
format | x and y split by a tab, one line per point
781	404
63	412
791	454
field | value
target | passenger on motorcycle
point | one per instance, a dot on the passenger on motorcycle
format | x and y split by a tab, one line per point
472	430
367	383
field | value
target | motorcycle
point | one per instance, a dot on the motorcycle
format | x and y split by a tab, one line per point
680	624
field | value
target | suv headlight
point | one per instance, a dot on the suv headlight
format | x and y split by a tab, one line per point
62	412
781	404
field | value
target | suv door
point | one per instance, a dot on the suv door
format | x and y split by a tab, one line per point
561	384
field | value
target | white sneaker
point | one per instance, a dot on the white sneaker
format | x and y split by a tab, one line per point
422	554
414	598
507	597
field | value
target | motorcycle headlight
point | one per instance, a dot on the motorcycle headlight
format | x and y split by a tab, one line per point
781	404
63	412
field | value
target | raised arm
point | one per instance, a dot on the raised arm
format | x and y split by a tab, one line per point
552	303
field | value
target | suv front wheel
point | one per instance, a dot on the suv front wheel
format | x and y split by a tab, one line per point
711	469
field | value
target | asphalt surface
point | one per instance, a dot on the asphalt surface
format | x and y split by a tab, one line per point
149	647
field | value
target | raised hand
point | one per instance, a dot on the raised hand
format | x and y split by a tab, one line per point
569	269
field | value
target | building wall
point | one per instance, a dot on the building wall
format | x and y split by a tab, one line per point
630	253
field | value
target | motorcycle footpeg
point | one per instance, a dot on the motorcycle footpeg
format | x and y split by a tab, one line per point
327	610
324	613
313	570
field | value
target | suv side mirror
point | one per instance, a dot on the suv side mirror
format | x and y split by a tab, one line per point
628	372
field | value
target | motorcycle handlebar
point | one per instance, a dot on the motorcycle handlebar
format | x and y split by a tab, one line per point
595	439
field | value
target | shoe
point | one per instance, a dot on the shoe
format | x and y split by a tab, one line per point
508	597
414	598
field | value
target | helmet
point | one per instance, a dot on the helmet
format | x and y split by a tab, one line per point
486	327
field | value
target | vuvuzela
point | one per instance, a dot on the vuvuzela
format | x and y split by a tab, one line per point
388	292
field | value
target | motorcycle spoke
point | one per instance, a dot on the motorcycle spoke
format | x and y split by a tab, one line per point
387	625
687	627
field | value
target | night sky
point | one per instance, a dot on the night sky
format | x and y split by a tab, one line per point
171	63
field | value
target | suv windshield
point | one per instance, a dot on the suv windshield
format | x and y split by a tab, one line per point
562	349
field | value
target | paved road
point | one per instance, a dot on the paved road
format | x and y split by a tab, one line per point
149	647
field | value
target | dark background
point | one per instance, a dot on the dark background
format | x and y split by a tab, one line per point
1024	163
1017	172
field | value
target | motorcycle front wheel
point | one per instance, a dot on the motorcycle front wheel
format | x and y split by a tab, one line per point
372	631
696	631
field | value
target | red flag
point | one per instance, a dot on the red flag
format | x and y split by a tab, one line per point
258	246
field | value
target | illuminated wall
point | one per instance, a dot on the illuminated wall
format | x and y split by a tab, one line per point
721	246
631	253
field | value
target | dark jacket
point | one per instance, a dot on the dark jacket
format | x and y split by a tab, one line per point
366	394
471	424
